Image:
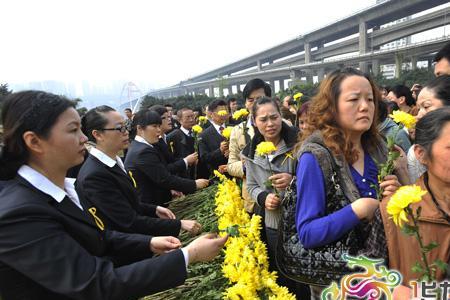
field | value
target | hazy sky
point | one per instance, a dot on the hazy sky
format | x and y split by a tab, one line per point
156	42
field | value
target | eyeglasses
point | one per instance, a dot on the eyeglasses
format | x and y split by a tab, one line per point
121	128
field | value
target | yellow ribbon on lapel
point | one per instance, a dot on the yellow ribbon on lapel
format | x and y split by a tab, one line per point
171	146
132	178
98	221
286	156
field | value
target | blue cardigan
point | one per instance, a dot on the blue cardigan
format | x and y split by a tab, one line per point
314	227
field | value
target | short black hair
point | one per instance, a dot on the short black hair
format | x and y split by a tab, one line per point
159	109
95	119
127	109
440	86
403	91
443	53
145	117
216	103
382	110
256	84
168	105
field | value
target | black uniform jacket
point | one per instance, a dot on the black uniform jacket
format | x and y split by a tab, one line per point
113	193
51	250
153	179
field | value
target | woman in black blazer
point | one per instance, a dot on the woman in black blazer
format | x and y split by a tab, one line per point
53	245
153	179
104	182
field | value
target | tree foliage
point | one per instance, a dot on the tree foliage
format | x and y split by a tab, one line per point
408	78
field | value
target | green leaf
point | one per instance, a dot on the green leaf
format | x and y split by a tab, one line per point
441	265
409	230
430	247
232	231
268	184
417	268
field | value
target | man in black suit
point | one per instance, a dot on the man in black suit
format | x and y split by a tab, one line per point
181	141
176	165
213	147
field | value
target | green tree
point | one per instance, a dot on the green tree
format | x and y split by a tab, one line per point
4	91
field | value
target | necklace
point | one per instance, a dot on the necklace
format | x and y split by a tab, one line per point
446	216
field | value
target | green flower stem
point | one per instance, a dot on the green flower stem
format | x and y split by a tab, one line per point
419	239
271	171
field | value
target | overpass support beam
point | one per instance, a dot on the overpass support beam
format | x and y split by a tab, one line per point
307	53
281	81
258	64
363	47
398	64
211	91
321	74
414	63
375	67
295	75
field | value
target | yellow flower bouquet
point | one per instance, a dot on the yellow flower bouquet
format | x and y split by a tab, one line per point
264	149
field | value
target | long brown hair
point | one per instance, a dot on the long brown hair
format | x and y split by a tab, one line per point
323	116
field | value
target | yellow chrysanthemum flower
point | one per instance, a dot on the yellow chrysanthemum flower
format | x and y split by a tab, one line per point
197	129
403	118
402	198
227	132
202	120
265	148
298	96
242	113
222	113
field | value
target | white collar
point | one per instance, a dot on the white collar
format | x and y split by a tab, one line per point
105	159
140	139
185	131
217	127
43	184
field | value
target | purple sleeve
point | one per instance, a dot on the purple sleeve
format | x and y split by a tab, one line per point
314	227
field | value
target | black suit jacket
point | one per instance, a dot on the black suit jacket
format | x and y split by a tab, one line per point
209	148
113	193
51	250
154	181
175	165
183	145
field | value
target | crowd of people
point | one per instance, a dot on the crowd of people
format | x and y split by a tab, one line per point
84	202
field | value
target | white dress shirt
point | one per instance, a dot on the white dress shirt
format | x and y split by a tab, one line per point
42	183
101	156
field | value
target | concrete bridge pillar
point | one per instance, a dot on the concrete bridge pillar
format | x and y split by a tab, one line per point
321	74
230	90
363	44
258	64
414	63
398	64
238	88
211	91
375	67
281	81
307	53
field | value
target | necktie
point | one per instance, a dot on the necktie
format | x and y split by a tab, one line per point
190	132
221	128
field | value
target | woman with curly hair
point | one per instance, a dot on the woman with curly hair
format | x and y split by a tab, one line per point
341	143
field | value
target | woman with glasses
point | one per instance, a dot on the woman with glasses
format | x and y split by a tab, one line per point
104	181
149	168
53	245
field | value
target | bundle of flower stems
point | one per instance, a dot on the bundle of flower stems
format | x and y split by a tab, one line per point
205	280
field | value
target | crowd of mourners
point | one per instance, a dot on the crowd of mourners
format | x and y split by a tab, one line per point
84	202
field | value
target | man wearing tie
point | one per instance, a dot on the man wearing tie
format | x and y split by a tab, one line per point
181	141
213	147
176	166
